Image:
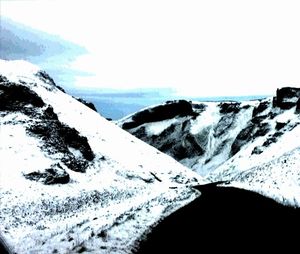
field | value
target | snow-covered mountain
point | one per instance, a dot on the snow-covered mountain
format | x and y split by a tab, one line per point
252	144
71	181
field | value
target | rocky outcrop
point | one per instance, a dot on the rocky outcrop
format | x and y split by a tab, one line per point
15	97
57	138
263	105
248	134
159	113
229	107
286	97
54	175
87	103
44	76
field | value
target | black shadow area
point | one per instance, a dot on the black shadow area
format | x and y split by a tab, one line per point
226	219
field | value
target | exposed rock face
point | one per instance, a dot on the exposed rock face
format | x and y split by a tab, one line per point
251	132
17	97
54	175
260	108
187	132
120	188
87	103
233	107
43	76
168	111
286	97
58	139
298	106
208	134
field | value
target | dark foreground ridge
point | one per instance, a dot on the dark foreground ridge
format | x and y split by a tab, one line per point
225	219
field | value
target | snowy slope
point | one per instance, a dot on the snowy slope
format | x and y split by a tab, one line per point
200	137
70	181
253	145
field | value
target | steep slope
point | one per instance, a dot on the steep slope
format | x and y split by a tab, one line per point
199	135
253	144
70	181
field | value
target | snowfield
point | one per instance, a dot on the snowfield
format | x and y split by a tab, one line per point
122	190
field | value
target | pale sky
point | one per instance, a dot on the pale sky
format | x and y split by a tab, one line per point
200	48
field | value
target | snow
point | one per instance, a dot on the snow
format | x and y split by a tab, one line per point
156	128
286	143
205	125
130	186
105	209
206	119
215	132
278	179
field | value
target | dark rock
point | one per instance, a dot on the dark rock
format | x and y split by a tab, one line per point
261	130
219	148
188	148
175	141
54	175
280	125
242	138
286	97
270	141
185	125
170	110
15	97
258	119
298	106
3	79
86	103
44	76
75	164
49	114
248	134
257	150
272	115
246	107
232	107
57	138
140	133
260	108
224	124
278	134
199	106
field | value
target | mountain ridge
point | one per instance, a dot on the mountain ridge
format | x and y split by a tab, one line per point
227	141
73	182
67	185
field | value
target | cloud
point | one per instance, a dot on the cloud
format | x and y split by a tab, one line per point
202	48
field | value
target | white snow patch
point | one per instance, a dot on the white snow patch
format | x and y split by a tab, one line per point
157	128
